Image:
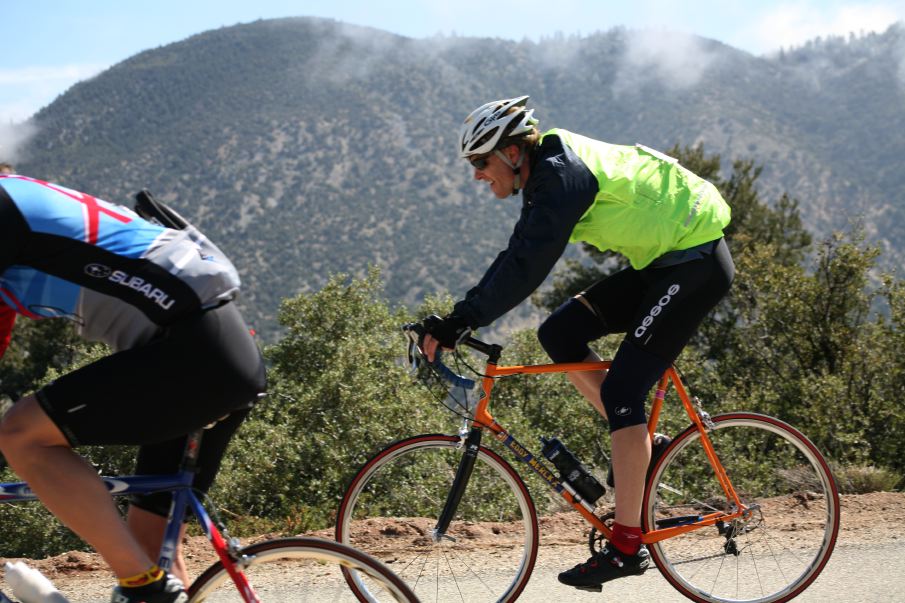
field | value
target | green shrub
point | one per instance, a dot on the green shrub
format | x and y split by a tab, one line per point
339	393
863	479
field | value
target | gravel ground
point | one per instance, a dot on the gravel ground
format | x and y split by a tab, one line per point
868	564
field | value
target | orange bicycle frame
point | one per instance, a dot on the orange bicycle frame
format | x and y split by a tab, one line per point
484	419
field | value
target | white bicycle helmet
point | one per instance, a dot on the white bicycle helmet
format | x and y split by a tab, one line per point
490	124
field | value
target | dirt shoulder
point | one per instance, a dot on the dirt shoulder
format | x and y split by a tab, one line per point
865	520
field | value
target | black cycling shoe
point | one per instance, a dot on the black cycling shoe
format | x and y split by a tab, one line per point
657	448
606	565
168	590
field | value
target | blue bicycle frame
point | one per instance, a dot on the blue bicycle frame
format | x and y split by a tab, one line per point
183	497
179	483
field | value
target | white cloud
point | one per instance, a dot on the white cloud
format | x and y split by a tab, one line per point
793	24
17	109
676	60
900	51
25	90
63	73
13	137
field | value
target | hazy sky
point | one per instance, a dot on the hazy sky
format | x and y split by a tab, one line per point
48	45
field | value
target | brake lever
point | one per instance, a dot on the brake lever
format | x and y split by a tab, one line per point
414	332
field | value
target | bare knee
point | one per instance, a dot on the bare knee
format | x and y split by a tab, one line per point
14	429
25	427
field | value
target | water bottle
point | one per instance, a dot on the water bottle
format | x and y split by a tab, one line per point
30	585
571	470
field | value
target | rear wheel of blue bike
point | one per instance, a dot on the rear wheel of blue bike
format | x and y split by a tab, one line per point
778	546
300	570
391	509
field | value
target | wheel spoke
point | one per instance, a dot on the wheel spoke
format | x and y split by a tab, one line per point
300	570
778	545
393	505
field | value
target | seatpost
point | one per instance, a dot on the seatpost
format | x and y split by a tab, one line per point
192	448
179	502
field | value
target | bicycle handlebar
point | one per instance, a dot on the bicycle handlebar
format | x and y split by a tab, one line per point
415	333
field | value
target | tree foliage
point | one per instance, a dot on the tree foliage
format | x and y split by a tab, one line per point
37	346
338	394
817	347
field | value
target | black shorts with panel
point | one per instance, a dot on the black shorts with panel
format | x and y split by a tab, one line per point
659	308
196	372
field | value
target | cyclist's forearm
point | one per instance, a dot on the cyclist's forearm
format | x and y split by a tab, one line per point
538	240
488	274
518	275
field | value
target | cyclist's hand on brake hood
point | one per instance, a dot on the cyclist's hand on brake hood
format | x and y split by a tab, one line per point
444	332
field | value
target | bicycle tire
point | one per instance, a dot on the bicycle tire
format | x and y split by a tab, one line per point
300	569
495	525
777	551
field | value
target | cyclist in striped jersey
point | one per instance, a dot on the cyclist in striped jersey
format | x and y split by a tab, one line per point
182	359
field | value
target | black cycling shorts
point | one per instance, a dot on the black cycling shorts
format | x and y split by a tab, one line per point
658	308
194	373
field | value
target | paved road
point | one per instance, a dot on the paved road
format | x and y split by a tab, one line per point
854	574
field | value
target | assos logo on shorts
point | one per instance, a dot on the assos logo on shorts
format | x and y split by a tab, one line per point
655	311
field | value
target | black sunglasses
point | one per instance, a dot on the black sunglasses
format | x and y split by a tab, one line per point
479	163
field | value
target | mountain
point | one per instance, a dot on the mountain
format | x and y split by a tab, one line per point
305	146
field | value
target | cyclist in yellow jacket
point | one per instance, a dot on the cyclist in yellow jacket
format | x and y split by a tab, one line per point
633	200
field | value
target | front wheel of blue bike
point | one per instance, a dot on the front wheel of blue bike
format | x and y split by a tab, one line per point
778	546
300	570
391	510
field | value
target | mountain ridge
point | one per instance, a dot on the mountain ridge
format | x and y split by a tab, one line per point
309	146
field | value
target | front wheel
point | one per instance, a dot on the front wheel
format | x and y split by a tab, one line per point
299	570
778	548
391	509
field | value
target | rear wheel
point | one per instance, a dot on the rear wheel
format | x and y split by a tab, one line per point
773	552
300	570
391	509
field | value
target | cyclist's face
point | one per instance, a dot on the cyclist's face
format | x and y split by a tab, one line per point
497	174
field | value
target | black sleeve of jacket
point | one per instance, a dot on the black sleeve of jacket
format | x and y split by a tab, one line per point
13	231
560	189
487	276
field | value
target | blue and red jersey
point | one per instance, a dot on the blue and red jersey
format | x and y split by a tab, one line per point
64	253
